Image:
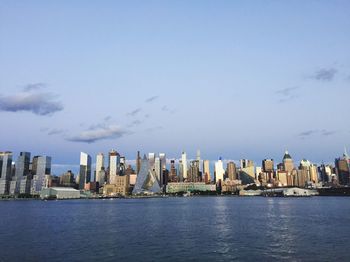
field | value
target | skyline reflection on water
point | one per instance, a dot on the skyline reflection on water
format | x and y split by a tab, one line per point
168	229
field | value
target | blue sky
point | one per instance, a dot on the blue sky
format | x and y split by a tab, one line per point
237	79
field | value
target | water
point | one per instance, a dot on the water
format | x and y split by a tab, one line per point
173	229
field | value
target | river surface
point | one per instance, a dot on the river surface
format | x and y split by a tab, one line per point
174	229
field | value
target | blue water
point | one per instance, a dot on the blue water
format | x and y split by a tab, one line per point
173	229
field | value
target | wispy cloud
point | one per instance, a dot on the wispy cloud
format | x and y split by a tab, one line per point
325	74
134	112
56	132
33	100
287	94
166	109
34	86
322	132
135	123
150	99
99	133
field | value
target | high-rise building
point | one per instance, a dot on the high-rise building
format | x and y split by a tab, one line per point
194	174
173	172
138	162
158	170
146	181
184	165
85	170
5	172
67	179
231	171
41	171
288	164
22	170
206	171
162	158
100	169
342	169
22	165
113	166
151	159
219	171
247	171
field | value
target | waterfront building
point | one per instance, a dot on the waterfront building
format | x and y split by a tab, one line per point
85	170
219	171
5	172
100	169
59	193
231	171
146	182
119	188
113	166
173	188
41	169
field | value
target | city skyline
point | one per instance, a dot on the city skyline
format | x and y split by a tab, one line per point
227	78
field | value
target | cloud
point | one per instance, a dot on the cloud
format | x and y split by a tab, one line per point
325	74
107	118
150	99
327	133
308	133
56	132
322	132
135	123
135	112
34	86
32	100
287	94
166	109
99	133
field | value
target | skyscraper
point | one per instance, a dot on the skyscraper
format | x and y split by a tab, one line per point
158	170
85	170
219	171
184	165
138	162
41	169
342	169
162	158
5	172
206	171
113	165
146	181
100	169
288	164
22	170
231	171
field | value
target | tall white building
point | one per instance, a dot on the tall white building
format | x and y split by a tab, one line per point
158	169
151	160
85	170
100	170
114	165
206	169
219	171
184	165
